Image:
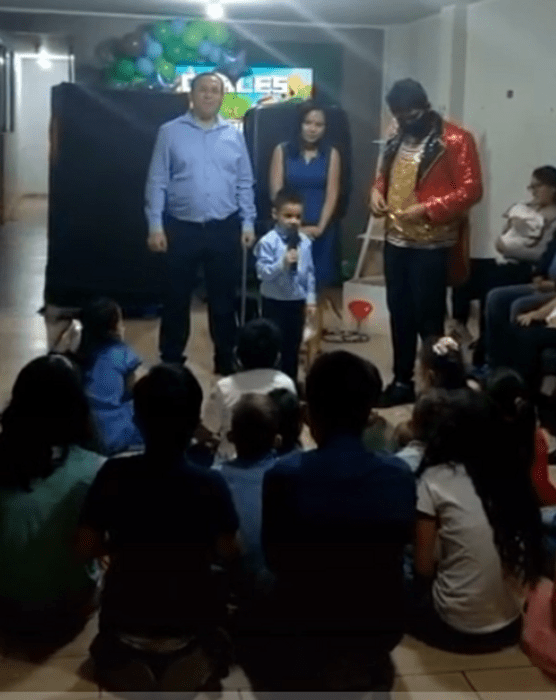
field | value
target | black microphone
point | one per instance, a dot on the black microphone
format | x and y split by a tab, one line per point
293	244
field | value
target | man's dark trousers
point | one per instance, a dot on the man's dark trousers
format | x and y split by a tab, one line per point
416	280
216	246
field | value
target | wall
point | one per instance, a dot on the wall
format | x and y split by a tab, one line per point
511	45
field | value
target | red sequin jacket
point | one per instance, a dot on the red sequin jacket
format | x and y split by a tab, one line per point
449	180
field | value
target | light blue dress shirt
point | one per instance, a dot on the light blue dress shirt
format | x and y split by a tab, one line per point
199	174
281	283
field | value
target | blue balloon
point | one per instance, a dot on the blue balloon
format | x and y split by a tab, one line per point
215	55
205	47
145	66
153	48
177	26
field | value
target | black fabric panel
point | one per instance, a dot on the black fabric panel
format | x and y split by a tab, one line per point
102	142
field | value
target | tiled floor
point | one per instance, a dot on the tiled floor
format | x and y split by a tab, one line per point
422	672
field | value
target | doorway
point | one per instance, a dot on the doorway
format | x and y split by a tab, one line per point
36	75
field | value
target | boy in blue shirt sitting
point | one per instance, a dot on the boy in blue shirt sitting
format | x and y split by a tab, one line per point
285	267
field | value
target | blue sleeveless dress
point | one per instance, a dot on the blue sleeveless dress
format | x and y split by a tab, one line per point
309	181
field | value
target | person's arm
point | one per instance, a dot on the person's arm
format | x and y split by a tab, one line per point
466	169
426	533
331	196
270	260
499	245
158	178
246	195
311	283
276	173
540	314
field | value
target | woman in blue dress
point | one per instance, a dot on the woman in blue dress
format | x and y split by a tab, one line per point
312	167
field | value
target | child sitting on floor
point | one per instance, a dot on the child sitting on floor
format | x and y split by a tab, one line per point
258	355
110	368
255	435
45	472
163	522
482	510
290	421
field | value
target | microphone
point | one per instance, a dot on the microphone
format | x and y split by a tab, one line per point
293	243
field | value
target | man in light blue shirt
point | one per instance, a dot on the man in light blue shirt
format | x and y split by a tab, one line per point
200	210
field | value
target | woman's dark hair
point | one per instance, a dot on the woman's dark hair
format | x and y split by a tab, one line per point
515	412
546	175
289	418
443	357
467	432
100	320
48	410
294	145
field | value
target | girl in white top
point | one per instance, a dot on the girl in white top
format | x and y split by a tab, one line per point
478	536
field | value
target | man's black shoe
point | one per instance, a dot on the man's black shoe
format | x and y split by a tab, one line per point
396	394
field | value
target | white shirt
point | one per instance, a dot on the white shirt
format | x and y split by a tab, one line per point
217	415
470	591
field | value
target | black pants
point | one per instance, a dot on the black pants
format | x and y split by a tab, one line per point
216	246
416	296
289	316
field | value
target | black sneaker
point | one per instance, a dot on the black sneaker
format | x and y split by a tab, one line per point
396	394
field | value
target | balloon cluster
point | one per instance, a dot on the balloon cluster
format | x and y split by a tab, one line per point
148	57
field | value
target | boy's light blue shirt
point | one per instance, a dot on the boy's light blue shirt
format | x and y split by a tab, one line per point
279	282
199	174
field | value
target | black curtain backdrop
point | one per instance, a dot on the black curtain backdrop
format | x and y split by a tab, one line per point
101	145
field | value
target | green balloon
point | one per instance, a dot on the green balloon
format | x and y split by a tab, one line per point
124	69
218	33
172	48
194	34
166	69
162	31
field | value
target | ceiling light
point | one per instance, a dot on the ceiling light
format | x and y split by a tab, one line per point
215	11
43	59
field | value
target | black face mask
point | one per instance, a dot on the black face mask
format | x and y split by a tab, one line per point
417	128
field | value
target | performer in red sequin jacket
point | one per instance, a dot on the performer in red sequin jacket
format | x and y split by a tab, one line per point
449	179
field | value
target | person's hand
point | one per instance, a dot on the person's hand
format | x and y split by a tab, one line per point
414	213
157	242
247	238
312	231
291	257
378	203
544	285
311	311
527	319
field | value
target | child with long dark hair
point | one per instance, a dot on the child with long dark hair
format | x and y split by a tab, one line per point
478	536
45	472
109	371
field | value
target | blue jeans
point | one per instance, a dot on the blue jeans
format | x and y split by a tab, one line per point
503	305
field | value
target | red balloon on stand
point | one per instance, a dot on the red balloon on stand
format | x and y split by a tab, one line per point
360	309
